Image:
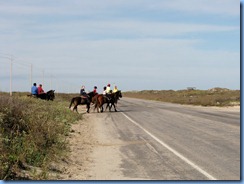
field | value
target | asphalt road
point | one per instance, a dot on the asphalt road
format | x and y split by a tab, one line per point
163	141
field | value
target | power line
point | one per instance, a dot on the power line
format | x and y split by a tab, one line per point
47	77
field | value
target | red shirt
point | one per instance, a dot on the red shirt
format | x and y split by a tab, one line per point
40	90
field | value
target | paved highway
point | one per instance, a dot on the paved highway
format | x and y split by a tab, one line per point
163	141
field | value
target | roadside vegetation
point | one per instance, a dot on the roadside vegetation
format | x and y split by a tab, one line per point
212	97
33	134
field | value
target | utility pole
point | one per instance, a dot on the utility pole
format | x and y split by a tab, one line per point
43	77
51	76
10	57
11	67
31	68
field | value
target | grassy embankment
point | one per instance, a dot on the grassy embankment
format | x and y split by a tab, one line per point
212	97
33	134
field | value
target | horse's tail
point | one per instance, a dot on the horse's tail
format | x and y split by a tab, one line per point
96	101
72	101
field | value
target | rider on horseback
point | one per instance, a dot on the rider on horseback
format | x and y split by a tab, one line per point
105	93
83	93
95	90
34	90
108	90
40	89
115	89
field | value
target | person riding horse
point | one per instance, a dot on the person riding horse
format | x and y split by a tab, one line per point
106	93
40	90
82	101
95	90
34	90
83	93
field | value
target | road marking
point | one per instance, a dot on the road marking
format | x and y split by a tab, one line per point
172	150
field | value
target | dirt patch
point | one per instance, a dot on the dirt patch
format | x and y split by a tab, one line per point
81	143
106	153
94	150
230	108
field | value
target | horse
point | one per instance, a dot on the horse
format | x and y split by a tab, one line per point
94	98
100	100
111	99
114	99
82	101
47	96
116	96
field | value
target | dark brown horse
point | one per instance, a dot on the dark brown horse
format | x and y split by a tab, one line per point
82	101
114	100
44	96
47	96
109	99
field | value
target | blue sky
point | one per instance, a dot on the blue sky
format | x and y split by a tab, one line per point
135	44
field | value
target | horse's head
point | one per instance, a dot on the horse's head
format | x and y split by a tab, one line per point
91	95
50	95
119	94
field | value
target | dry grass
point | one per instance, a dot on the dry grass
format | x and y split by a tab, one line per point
33	134
212	97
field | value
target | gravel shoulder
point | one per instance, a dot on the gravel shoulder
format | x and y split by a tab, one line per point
94	151
81	145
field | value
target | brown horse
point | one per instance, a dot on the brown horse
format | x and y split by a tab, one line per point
100	100
94	99
82	101
110	99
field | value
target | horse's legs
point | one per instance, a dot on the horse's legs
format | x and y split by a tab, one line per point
114	104
95	106
115	108
75	108
110	107
88	107
107	107
98	105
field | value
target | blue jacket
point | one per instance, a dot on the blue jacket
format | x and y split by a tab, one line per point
34	90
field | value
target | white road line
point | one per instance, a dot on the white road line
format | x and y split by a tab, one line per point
172	150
